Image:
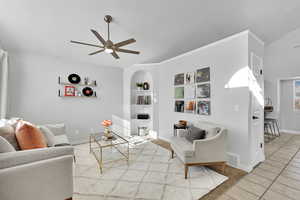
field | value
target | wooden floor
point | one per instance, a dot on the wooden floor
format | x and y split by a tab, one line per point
233	174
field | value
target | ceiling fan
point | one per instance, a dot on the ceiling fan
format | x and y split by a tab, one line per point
108	46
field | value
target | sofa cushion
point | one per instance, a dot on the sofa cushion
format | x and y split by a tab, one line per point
57	129
195	133
49	136
29	136
61	140
5	146
8	132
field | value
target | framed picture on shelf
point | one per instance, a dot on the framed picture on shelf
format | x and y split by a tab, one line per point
189	77
203	91
179	79
179	93
190	106
70	90
203	108
190	91
179	106
203	75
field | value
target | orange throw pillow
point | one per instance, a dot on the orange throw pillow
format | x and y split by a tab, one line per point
29	136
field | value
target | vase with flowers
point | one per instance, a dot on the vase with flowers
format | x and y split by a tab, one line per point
107	132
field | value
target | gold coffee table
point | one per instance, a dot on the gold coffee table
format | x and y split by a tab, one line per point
100	144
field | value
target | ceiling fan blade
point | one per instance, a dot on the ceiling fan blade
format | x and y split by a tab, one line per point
127	51
99	37
99	51
93	45
115	55
297	46
126	42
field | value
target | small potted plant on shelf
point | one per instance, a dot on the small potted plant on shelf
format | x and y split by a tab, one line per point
107	132
139	86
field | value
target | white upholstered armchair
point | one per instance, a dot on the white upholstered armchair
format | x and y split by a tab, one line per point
208	151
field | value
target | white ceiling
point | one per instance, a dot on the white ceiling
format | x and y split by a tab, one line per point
162	28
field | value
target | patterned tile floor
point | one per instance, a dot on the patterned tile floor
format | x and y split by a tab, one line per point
278	178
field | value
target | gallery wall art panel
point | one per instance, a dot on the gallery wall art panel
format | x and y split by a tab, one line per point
179	79
203	75
179	93
190	106
190	91
203	91
190	78
179	106
203	108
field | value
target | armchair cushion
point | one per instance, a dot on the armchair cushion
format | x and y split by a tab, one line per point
182	146
12	159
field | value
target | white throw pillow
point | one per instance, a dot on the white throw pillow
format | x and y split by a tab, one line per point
5	146
50	137
56	129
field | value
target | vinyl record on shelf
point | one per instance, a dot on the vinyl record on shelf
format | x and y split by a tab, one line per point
74	78
87	91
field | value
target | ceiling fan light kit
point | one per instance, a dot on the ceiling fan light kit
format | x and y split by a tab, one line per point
108	46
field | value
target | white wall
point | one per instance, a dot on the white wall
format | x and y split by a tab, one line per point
33	90
230	107
282	61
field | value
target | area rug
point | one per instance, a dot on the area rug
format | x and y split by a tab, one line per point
150	175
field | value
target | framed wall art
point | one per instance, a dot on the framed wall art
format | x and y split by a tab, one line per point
203	75
179	79
190	106
179	106
203	91
190	91
179	93
190	78
203	108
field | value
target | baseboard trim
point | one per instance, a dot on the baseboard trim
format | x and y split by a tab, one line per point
290	131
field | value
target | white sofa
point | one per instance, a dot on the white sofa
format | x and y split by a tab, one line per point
44	173
208	151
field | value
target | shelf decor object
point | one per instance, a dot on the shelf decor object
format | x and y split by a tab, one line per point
69	90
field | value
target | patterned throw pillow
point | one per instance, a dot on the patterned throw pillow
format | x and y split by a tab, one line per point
8	133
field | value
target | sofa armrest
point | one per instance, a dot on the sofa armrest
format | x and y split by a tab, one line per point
212	149
12	159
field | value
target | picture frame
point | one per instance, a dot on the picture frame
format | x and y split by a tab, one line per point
190	106
203	75
189	91
69	90
179	106
203	108
203	90
190	78
179	79
179	93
